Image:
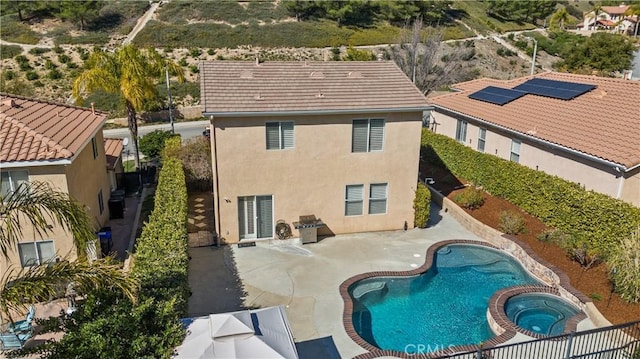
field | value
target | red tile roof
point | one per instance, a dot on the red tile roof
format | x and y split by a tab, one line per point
604	122
239	87
615	10
113	150
37	130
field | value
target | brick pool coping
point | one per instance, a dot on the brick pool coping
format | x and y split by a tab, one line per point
501	320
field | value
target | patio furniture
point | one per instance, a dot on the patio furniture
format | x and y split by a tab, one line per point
24	325
12	341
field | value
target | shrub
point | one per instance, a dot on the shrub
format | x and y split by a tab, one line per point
9	51
8	75
580	251
624	266
593	217
151	144
211	52
195	156
470	197
512	223
421	206
64	58
183	62
195	52
39	51
194	69
57	49
54	74
555	236
32	75
49	65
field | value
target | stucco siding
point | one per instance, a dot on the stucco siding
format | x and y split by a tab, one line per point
55	176
86	176
311	178
590	175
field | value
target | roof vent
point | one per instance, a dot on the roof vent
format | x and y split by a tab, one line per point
306	64
244	74
258	97
316	75
354	75
320	94
9	102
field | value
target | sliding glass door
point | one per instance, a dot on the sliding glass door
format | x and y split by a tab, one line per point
255	217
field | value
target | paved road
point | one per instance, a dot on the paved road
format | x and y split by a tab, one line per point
186	129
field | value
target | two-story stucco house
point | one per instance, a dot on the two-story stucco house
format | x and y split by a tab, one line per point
59	144
338	140
611	18
588	133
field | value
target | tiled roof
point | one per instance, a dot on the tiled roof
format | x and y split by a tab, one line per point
113	150
614	10
237	87
37	130
604	122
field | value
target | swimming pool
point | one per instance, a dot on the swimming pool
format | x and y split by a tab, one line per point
442	307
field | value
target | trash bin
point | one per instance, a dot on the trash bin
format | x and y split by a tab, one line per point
105	240
116	207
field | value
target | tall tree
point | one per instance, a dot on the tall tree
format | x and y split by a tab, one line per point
634	10
560	17
131	72
595	12
79	12
604	53
420	55
521	10
39	205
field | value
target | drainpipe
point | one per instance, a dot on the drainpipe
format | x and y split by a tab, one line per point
620	183
216	186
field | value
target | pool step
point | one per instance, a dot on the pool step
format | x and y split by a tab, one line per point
365	288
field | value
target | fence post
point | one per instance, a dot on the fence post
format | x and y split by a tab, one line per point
479	352
569	344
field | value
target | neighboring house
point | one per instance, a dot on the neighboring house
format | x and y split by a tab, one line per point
338	140
592	139
610	18
113	152
59	144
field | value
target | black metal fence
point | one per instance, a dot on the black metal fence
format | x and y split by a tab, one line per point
615	342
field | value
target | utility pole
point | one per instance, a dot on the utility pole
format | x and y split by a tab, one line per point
533	60
166	72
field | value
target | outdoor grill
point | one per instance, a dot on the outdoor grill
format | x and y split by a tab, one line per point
308	228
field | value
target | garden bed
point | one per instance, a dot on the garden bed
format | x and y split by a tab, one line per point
593	282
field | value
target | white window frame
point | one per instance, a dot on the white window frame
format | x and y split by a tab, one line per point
461	131
369	137
94	146
12	182
282	145
348	200
38	259
255	220
378	199
515	150
482	139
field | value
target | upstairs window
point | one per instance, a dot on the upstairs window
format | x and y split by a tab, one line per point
36	253
279	135
367	135
10	180
515	150
94	144
461	131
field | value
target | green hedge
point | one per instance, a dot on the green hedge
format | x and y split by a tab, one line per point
594	219
421	206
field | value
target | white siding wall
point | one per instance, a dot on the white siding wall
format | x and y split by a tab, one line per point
534	157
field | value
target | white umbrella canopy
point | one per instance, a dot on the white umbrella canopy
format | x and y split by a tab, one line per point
260	333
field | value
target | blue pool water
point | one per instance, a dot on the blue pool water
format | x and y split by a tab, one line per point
540	313
447	305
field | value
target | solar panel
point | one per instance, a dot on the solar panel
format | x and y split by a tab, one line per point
554	89
496	95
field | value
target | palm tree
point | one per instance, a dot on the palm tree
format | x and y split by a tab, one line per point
129	72
560	17
634	10
596	11
39	205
